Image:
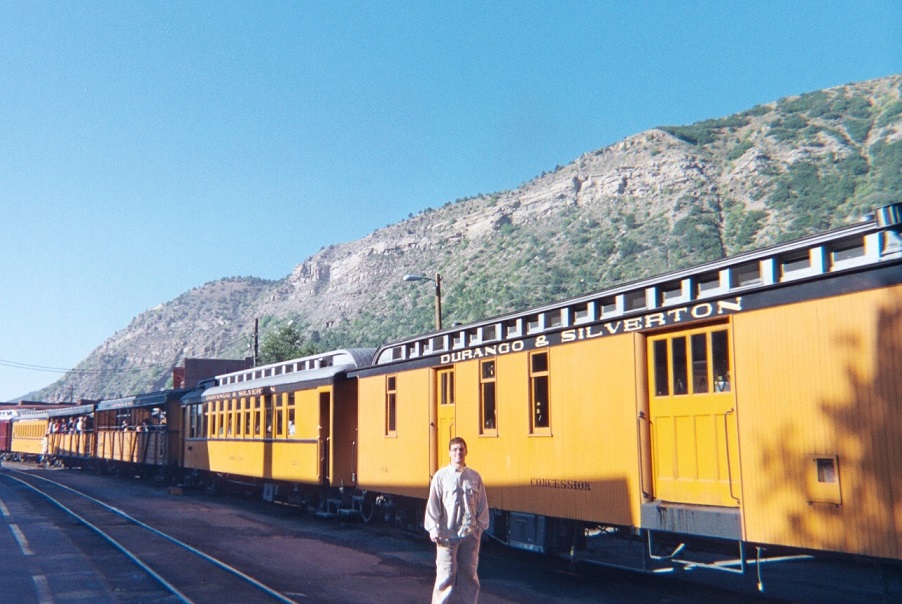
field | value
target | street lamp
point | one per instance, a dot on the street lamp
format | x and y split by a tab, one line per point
438	295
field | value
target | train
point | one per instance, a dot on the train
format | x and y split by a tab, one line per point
740	411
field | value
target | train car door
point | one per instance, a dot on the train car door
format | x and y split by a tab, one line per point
695	450
325	437
445	411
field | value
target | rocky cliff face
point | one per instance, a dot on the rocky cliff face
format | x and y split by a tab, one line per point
657	201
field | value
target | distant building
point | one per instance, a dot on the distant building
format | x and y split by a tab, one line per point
193	371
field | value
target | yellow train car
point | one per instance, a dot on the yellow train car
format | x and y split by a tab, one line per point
289	428
143	431
29	436
751	399
70	435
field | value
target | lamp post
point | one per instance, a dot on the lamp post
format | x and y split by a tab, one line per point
438	295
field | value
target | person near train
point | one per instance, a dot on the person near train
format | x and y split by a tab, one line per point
457	512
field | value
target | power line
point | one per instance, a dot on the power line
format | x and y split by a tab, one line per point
44	368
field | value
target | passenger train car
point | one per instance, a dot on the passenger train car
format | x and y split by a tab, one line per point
291	424
750	401
753	399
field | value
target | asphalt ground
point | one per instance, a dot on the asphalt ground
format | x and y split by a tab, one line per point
315	560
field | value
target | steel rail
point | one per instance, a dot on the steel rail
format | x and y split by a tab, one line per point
216	562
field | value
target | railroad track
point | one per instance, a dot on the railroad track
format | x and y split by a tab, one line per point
187	573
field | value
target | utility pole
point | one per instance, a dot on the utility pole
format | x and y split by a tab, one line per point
256	340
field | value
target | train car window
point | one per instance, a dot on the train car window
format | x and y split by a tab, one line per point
538	377
699	363
635	300
582	313
671	292
845	252
534	324
489	333
608	306
553	318
459	340
707	283
446	378
794	264
246	417
258	416
514	328
268	408
745	275
680	373
291	411
662	368
720	358
488	411
390	406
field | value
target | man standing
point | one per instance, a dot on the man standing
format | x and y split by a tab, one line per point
456	514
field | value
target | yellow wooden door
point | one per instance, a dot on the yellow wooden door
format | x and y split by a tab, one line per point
695	452
445	414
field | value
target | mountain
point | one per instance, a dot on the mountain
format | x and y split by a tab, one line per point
657	201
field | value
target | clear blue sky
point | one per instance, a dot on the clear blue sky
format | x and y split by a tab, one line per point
151	147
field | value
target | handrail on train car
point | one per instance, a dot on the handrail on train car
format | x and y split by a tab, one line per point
726	436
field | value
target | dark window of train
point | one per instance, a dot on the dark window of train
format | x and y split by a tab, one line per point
662	386
487	393
720	359
699	363
608	306
446	387
533	324
538	374
258	416
489	333
635	300
794	264
680	372
512	329
279	429
390	405
582	313
843	252
459	340
707	283
291	425
553	319
826	469
671	291
745	274
267	405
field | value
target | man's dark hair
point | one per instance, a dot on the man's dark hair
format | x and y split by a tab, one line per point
457	441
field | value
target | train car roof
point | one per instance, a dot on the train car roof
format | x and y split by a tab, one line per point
150	399
71	411
875	240
312	370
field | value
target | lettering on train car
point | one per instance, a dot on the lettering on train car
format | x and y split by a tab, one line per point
483	351
558	483
671	316
240	393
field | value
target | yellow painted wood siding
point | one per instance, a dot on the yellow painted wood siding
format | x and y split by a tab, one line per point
398	464
587	468
28	436
816	380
